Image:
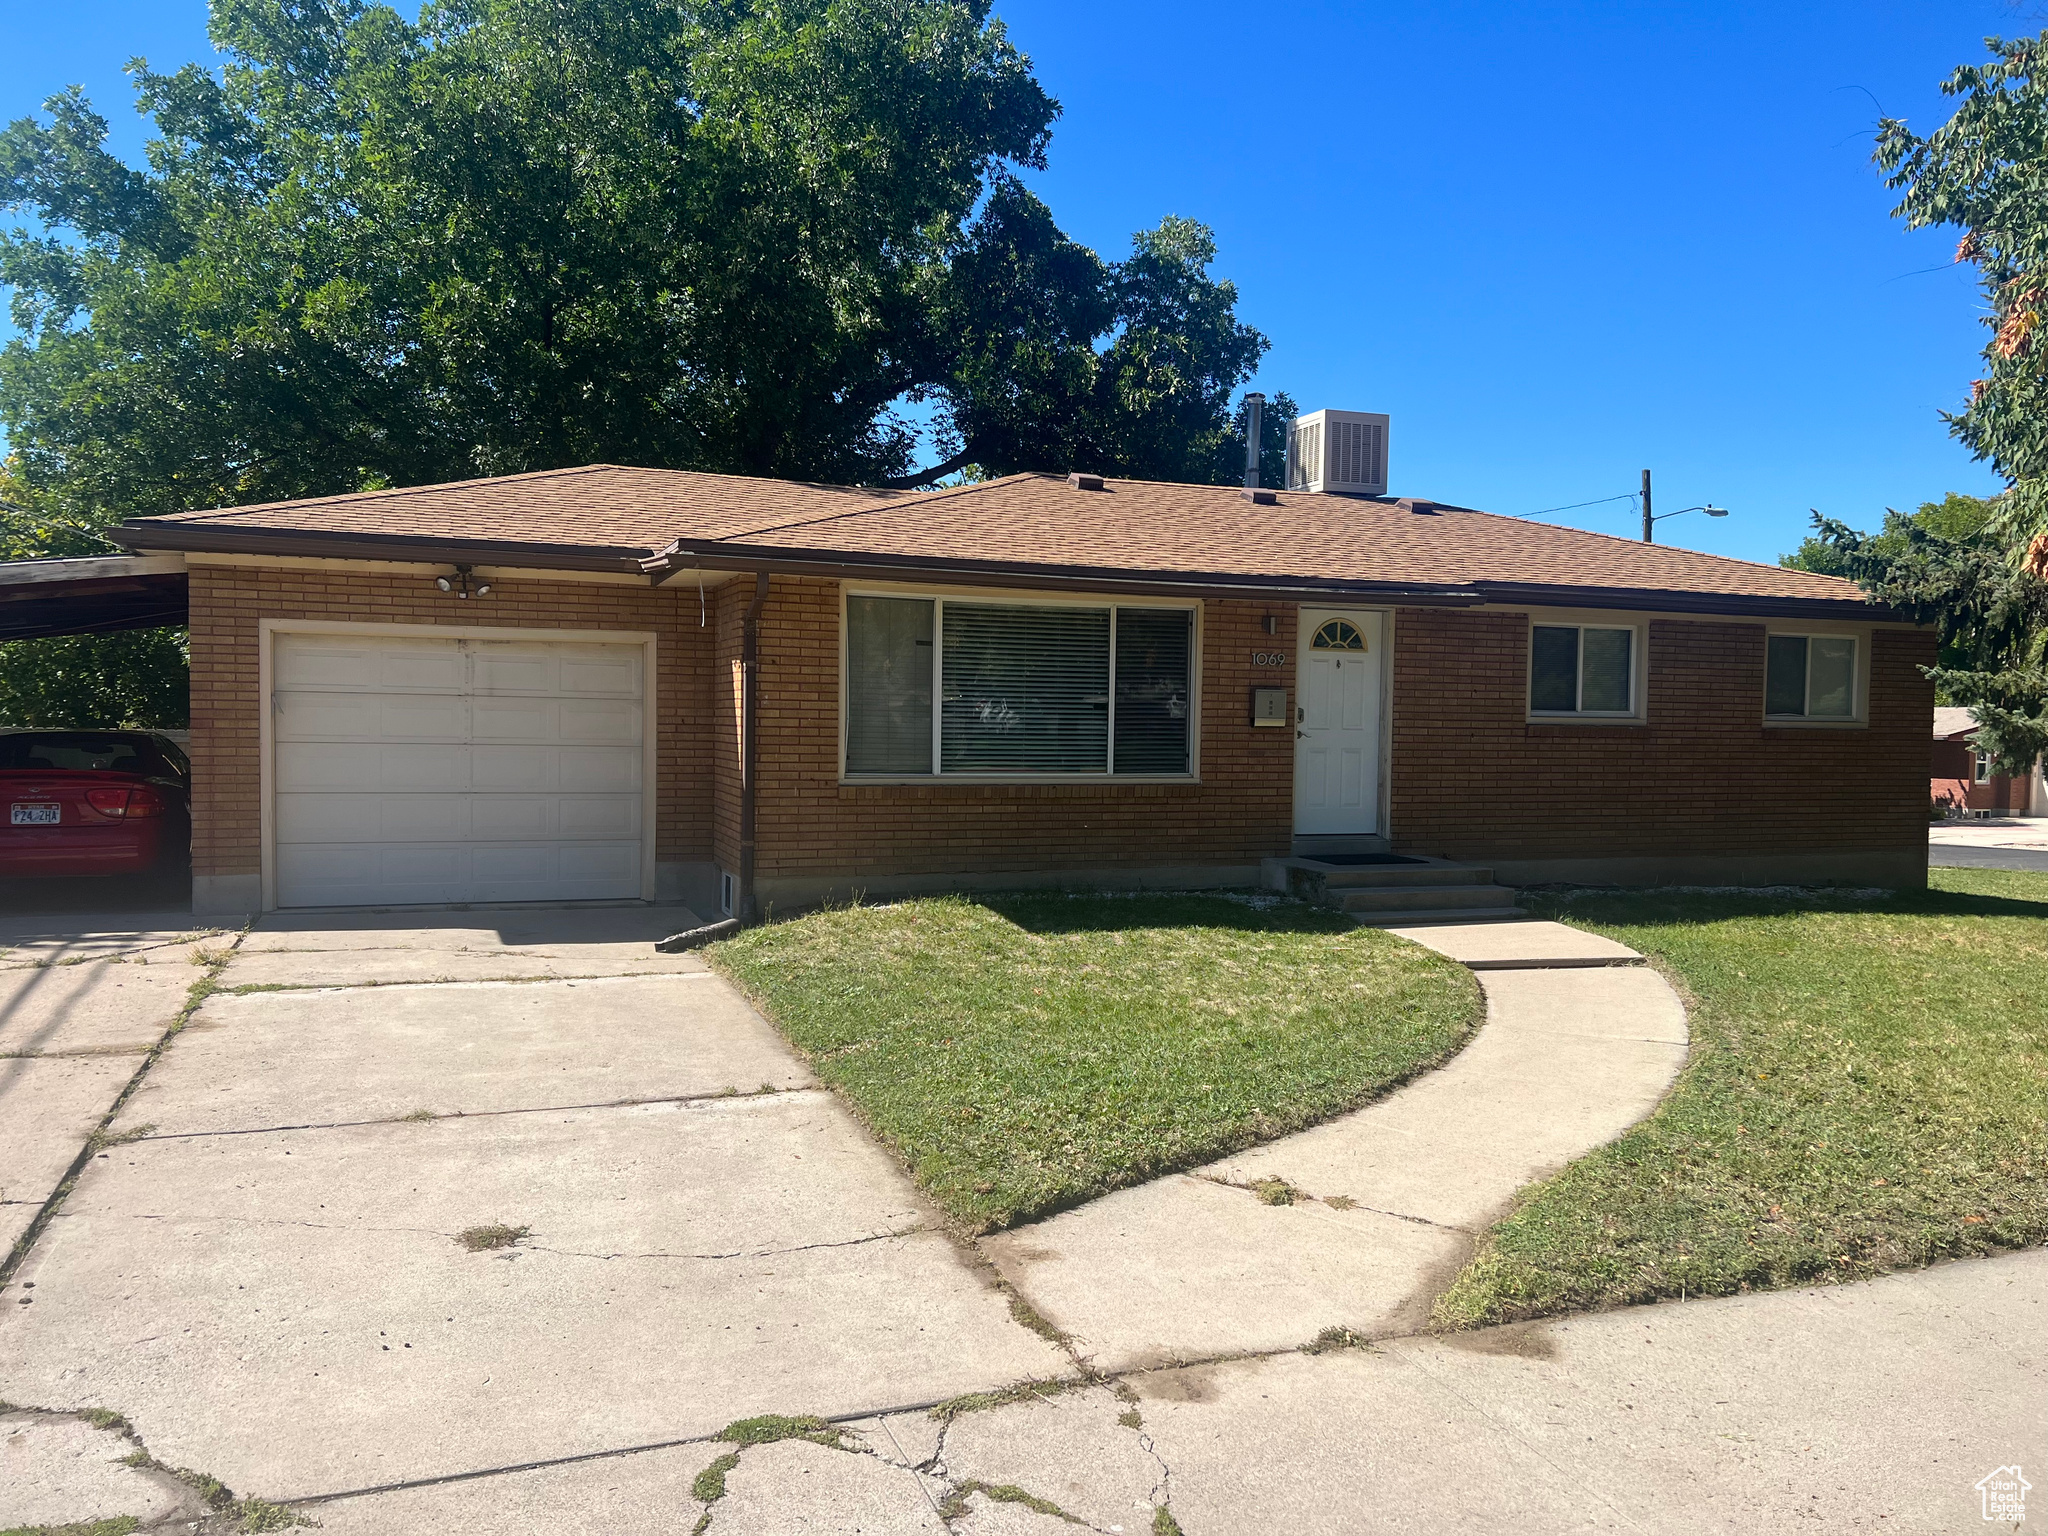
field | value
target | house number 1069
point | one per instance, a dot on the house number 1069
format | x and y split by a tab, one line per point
1269	658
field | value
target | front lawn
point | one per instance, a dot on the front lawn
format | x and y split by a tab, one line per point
1024	1053
1868	1090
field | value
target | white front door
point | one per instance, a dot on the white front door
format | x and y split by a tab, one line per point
419	769
1337	723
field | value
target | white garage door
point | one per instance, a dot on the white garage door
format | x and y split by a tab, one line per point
413	769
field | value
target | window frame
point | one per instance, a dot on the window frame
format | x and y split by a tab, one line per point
1010	597
1980	767
1638	672
1858	717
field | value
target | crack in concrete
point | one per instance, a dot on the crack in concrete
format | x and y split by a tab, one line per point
935	1465
259	988
112	954
737	1253
266	1221
1355	1205
915	1468
1587	1488
524	1247
196	994
414	1117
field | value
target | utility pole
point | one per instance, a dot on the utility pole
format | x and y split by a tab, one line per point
1649	523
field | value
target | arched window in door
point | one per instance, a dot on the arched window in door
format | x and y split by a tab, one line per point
1338	635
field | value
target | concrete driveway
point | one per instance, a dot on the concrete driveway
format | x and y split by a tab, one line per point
272	1236
261	1269
82	1003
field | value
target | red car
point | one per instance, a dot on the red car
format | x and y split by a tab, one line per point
92	803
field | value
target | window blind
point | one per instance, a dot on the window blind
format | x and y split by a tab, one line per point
1152	654
888	685
1554	669
1026	690
1785	675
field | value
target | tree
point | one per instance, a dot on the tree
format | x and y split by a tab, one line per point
1955	516
1992	611
515	234
1052	359
1982	172
1980	579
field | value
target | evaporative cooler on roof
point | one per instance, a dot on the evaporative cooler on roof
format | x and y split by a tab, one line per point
1338	451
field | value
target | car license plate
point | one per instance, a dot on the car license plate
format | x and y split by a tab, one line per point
34	816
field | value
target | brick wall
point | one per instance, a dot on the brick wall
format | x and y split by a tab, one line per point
1474	778
228	601
811	824
1471	777
1953	779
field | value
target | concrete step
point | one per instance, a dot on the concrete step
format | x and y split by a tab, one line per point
1439	915
1405	874
1427	898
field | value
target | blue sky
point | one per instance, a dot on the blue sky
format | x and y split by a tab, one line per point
1558	243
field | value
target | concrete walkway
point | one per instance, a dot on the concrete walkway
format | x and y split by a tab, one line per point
1874	1406
1580	1042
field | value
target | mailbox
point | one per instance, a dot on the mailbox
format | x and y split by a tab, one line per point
1269	706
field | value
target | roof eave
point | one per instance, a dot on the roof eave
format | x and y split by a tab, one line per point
721	555
1735	605
434	549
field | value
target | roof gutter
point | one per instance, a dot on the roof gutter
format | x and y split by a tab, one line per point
688	554
1734	605
721	555
434	549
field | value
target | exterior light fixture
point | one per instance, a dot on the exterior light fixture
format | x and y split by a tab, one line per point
1651	520
463	583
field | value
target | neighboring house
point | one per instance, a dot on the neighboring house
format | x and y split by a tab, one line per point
1962	781
682	685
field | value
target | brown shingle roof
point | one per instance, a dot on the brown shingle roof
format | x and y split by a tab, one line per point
599	508
1147	527
607	515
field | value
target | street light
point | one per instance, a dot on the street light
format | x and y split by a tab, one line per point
1650	520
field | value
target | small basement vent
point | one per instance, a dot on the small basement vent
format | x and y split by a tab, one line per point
1338	451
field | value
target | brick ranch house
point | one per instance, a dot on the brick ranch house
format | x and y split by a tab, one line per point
1963	781
627	683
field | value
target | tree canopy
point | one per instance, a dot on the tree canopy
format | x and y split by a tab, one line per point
1955	516
1983	172
1973	567
752	236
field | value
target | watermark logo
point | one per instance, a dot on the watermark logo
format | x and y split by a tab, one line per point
2005	1495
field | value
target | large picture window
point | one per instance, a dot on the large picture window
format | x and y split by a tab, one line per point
1810	677
969	686
1581	669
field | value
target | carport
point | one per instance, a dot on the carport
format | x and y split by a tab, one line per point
96	595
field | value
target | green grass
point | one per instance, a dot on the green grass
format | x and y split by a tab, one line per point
1867	1091
1024	1053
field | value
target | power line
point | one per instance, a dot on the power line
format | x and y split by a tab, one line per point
1626	496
